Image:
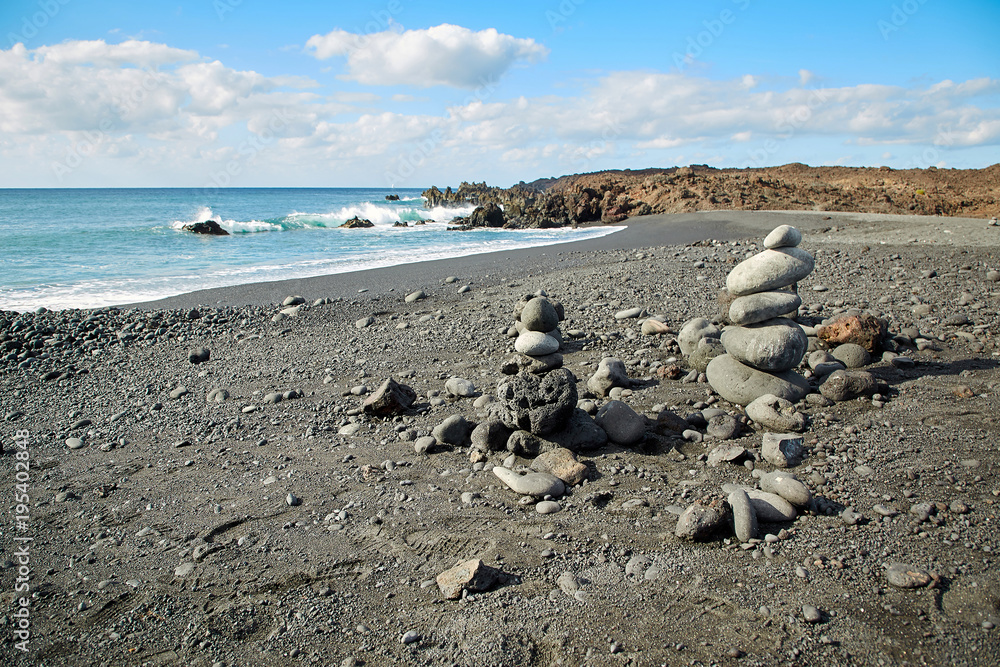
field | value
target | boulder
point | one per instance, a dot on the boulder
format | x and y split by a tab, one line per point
847	385
698	522
490	436
769	270
389	399
537	364
487	215
852	355
744	515
209	227
580	433
622	424
787	486
610	373
762	306
774	345
454	430
707	349
539	404
536	484
460	387
741	384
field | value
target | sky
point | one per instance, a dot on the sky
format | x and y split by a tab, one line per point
410	93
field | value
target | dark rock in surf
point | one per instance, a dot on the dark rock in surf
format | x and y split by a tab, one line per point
209	227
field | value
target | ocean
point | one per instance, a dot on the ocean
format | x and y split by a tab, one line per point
89	248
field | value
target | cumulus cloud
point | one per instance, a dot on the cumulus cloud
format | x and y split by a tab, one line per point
141	106
444	55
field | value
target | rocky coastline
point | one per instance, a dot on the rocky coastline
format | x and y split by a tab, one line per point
613	196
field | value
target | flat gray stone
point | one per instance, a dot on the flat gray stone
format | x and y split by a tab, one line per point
740	384
762	306
536	344
537	484
769	270
783	236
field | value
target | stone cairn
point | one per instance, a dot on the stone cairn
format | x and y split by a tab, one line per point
764	345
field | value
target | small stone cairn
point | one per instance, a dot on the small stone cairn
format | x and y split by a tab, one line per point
764	345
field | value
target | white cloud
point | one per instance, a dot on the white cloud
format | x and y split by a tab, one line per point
444	55
177	117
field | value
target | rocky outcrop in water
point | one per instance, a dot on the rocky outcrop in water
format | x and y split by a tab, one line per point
209	228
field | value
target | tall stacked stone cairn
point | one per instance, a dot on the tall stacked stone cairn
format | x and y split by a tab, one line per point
764	345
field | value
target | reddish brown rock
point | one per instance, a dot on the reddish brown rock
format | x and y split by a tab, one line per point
864	330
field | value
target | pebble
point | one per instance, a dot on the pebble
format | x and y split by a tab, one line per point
548	507
410	637
811	614
884	510
74	443
415	296
901	575
292	500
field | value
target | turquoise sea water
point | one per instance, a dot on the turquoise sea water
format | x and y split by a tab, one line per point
85	248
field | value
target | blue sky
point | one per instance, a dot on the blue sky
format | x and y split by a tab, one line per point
107	93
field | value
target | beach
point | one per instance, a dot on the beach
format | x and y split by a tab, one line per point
206	488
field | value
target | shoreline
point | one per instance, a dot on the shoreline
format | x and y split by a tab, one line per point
639	232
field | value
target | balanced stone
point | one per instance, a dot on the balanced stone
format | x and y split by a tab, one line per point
536	344
783	236
741	384
774	345
761	306
771	507
769	270
539	315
